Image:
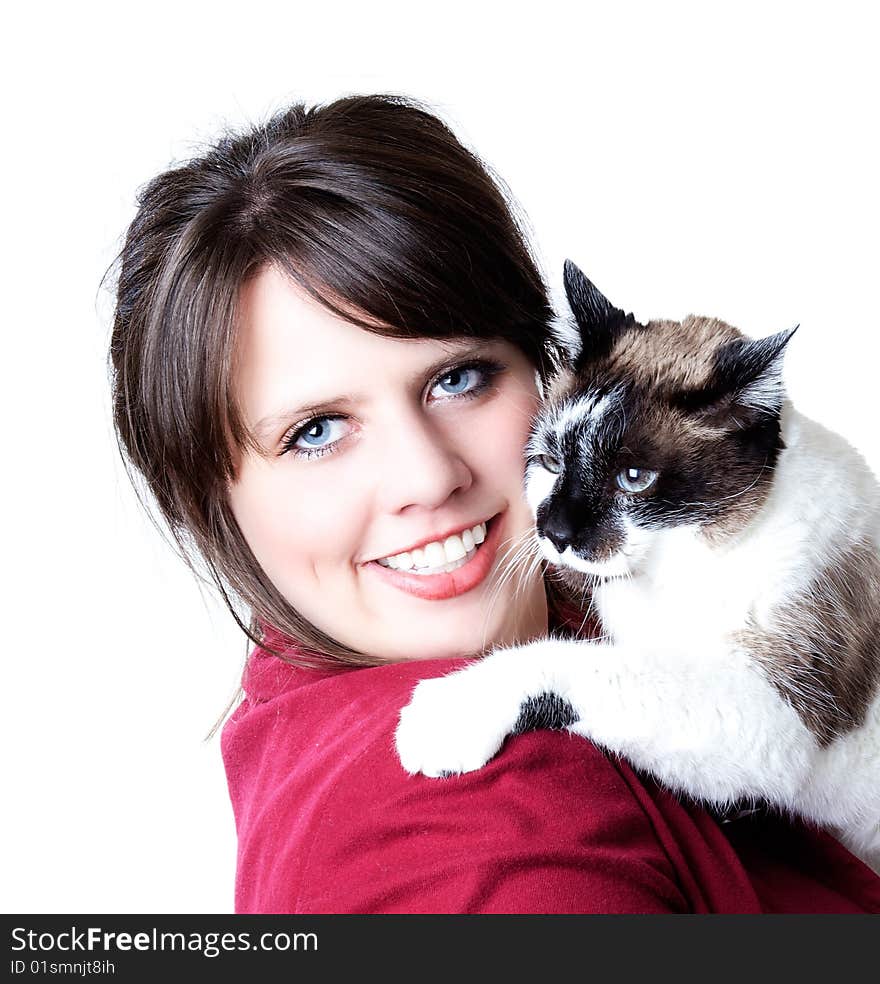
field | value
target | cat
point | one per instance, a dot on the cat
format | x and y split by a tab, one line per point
733	550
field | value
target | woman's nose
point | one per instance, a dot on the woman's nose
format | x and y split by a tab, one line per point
424	466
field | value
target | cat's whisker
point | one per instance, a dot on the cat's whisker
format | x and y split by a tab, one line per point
511	565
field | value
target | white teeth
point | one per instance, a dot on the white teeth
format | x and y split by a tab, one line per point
436	557
453	548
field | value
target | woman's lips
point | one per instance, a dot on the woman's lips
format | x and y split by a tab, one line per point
438	587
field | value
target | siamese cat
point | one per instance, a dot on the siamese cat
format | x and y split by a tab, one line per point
733	550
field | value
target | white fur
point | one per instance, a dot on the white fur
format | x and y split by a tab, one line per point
674	693
585	413
767	391
563	327
539	485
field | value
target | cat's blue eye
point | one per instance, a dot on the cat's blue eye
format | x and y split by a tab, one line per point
636	479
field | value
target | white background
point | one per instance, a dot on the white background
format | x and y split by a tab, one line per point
721	159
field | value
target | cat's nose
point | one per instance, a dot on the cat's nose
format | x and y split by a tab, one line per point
557	528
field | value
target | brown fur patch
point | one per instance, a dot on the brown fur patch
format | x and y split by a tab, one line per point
740	508
823	653
665	358
672	354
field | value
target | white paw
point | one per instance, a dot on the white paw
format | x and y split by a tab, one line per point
449	727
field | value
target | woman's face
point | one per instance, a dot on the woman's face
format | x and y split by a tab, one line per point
385	462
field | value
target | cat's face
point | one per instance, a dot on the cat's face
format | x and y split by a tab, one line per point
650	427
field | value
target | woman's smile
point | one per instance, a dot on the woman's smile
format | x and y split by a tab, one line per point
383	505
443	568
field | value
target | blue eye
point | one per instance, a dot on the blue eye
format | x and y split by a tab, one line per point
458	381
317	435
636	479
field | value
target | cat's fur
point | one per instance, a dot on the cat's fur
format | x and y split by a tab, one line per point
739	596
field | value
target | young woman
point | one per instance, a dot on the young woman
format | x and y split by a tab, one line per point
329	342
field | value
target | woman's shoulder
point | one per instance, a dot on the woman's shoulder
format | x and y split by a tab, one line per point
550	825
352	713
349	703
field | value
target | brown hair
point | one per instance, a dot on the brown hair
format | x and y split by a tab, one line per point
372	206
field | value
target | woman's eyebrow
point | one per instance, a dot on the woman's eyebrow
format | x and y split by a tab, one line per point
458	352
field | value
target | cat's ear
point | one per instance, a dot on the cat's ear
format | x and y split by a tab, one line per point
596	321
746	381
750	370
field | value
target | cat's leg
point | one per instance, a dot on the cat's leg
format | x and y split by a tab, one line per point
458	722
712	727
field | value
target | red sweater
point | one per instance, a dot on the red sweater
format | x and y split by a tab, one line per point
328	821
